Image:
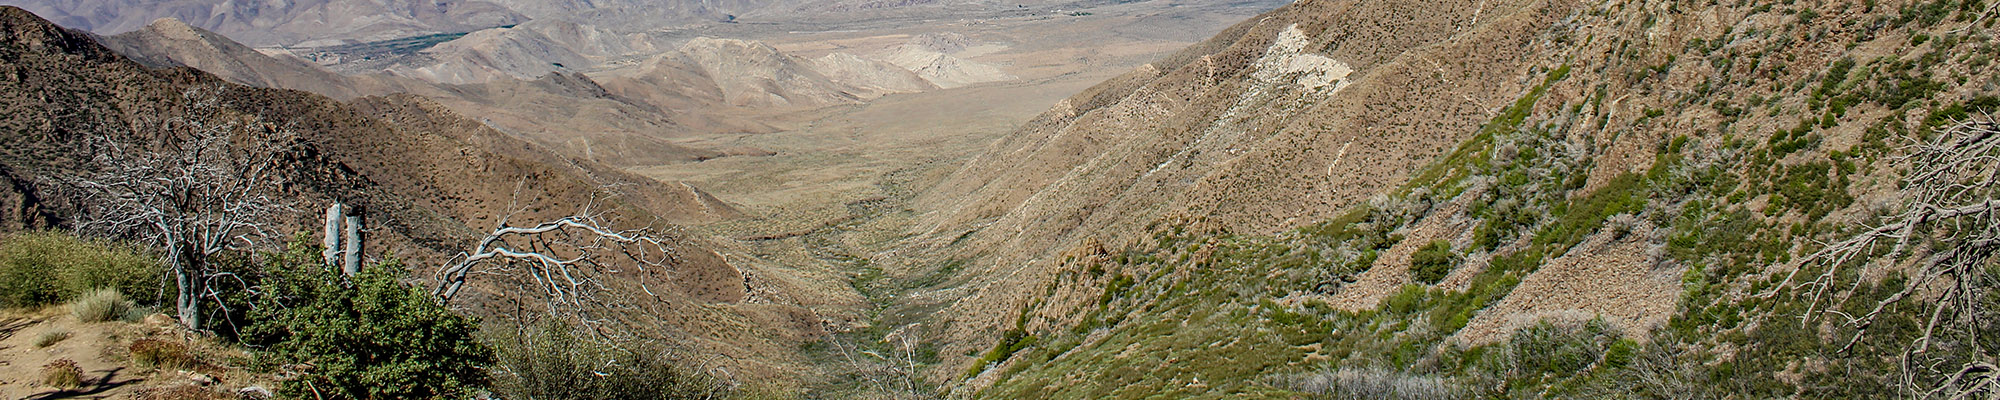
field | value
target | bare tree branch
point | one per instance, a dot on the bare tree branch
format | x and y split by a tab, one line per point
563	257
1951	224
202	189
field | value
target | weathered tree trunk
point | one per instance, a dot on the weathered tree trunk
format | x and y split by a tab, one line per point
353	243
332	248
188	281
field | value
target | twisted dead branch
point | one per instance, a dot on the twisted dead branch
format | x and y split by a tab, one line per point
563	257
1948	232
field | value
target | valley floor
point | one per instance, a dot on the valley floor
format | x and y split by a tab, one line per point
830	206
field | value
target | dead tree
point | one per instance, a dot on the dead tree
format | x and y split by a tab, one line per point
563	258
1947	236
200	189
330	247
342	244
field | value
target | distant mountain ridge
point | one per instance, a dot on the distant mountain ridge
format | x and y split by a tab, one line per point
306	22
564	111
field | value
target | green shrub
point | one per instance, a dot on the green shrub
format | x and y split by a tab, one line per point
100	305
1814	189
1560	349
1621	352
552	361
1956	112
1115	288
42	268
1408	299
1433	262
369	337
1013	341
1581	216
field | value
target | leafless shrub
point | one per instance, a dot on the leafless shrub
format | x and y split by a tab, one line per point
1370	383
1668	370
891	373
553	360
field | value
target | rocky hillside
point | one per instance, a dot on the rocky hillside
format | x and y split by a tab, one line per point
1433	196
430	182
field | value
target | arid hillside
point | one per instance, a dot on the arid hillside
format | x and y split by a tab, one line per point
1397	199
1279	122
1344	192
428	181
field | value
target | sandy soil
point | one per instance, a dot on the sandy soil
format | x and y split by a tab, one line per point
100	349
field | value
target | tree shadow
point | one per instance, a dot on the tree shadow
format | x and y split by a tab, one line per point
91	387
10	326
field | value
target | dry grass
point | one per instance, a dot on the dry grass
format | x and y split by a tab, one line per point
101	305
50	338
1370	383
62	374
161	354
180	392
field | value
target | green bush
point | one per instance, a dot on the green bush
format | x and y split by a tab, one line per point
1013	341
1557	350
371	336
100	305
552	361
1431	263
42	268
1621	353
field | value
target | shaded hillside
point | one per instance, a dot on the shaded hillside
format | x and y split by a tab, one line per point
1343	192
428	180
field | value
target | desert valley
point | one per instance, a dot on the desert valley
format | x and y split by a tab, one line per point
870	199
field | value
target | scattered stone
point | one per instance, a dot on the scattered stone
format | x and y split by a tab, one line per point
255	392
198	378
